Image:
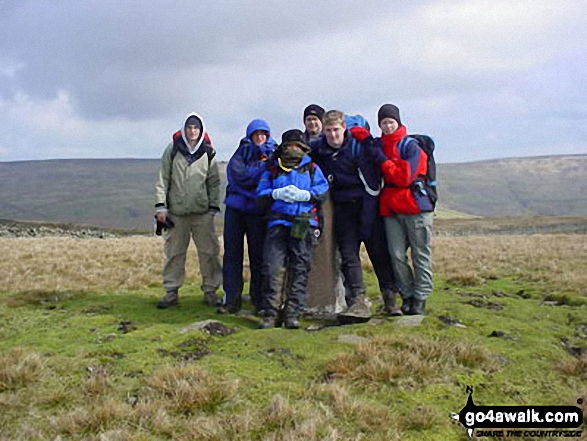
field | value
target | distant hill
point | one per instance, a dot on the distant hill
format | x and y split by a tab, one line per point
545	185
119	192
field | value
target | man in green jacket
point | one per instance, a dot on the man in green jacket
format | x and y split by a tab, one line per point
187	193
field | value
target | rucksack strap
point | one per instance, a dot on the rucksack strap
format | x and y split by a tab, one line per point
356	149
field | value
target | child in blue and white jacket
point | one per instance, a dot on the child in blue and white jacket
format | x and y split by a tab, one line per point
293	186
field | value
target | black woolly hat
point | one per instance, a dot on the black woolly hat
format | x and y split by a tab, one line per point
294	136
388	111
314	110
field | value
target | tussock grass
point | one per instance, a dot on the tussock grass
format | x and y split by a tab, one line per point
19	368
576	367
95	417
66	299
411	361
187	389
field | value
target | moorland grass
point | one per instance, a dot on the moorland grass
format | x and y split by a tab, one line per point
89	356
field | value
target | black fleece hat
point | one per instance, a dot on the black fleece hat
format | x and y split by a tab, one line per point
194	121
314	110
388	111
294	136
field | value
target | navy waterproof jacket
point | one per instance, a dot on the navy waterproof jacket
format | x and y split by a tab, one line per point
245	168
341	167
302	179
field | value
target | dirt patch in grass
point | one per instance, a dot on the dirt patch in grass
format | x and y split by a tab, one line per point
189	350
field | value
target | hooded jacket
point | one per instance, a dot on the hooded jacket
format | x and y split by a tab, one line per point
245	168
406	162
300	177
189	182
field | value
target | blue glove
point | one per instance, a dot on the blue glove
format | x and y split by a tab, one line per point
300	195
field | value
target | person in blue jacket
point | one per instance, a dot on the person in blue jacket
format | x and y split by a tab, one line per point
243	217
293	187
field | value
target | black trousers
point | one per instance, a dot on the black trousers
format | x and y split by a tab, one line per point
348	217
237	225
281	248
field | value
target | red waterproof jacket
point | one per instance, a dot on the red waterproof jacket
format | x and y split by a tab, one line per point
403	167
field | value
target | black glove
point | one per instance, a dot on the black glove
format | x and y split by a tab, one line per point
163	226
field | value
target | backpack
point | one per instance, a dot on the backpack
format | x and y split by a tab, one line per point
426	184
356	148
356	121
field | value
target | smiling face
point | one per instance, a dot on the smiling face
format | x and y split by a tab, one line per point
388	126
313	125
259	137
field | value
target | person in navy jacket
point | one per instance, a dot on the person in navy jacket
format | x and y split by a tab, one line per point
291	188
355	180
243	217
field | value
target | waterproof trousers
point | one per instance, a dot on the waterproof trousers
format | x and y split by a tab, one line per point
281	247
413	231
237	225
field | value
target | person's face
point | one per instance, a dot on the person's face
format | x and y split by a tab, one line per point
192	133
259	137
334	134
388	126
313	124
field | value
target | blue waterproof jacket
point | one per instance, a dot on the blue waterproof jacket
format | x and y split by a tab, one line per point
245	168
302	179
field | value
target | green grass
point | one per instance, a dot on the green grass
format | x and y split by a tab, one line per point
79	371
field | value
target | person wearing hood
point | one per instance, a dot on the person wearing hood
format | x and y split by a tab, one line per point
187	194
243	217
291	188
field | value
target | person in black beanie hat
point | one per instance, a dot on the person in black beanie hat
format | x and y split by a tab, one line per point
313	115
389	111
407	209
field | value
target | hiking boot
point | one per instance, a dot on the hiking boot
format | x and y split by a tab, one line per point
268	322
169	299
211	299
228	309
292	323
407	305
418	307
390	307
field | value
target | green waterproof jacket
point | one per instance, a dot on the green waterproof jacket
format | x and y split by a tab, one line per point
185	189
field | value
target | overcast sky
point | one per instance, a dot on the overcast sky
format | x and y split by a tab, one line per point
112	78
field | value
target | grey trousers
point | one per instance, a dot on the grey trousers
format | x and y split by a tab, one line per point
199	227
413	231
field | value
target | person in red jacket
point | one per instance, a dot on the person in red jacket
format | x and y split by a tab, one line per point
406	208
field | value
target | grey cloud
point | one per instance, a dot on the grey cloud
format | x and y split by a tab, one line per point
122	58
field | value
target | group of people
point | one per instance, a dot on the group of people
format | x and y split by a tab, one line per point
378	189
